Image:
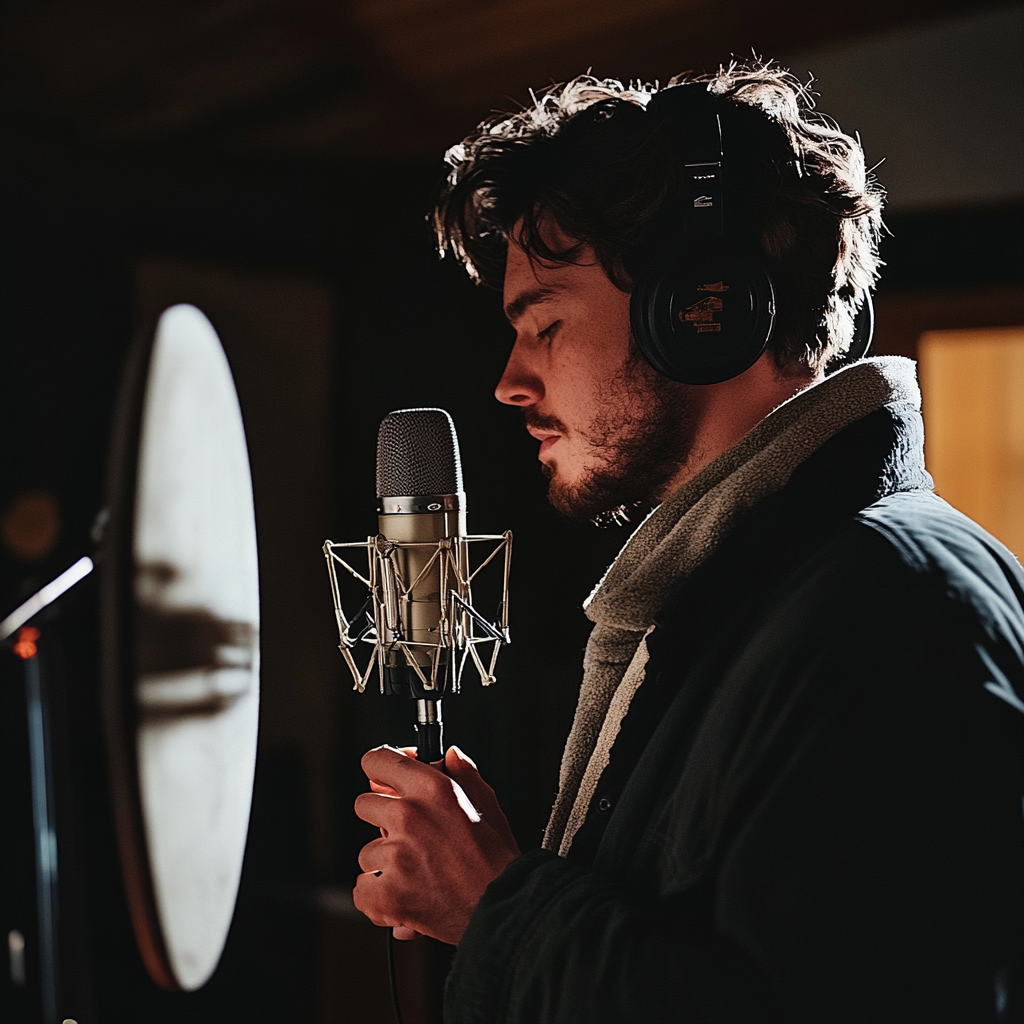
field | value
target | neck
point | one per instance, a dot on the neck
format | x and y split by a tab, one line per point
731	409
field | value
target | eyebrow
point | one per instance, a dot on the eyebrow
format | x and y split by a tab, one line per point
517	307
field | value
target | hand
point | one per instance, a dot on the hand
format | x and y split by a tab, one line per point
444	839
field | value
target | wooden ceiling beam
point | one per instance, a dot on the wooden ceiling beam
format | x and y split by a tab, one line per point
372	79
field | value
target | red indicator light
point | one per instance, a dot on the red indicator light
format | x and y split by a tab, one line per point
25	645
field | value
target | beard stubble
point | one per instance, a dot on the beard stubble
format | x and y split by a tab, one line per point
641	436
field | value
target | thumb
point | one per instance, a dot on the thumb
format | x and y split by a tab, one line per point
461	768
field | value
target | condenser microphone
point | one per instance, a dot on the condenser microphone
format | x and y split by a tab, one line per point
420	502
418	617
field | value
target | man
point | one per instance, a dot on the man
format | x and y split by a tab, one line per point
793	786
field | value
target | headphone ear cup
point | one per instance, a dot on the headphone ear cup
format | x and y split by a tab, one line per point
697	327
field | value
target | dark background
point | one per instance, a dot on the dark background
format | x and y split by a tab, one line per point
273	164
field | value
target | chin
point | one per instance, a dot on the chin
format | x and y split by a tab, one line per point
559	482
555	472
569	500
613	493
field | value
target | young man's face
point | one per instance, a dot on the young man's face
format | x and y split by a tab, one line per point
612	432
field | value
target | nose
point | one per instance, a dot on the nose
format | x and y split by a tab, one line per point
519	385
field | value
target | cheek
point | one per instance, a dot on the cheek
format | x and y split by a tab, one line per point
607	336
593	357
583	393
567	374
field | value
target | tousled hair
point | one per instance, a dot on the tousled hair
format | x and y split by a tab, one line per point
797	194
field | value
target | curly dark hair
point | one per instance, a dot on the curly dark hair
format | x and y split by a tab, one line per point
797	193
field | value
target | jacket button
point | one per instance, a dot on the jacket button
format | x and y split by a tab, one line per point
604	804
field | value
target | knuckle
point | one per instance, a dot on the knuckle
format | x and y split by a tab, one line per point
405	862
373	897
436	786
404	816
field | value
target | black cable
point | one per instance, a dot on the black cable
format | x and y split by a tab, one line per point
392	977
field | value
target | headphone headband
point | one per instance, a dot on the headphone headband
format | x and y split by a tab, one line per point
690	112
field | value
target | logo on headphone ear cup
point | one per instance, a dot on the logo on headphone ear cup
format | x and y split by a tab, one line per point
700	327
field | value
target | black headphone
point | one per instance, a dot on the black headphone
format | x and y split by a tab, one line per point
706	316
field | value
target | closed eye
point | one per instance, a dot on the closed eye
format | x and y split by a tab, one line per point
550	331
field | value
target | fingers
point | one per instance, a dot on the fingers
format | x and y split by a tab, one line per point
388	812
398	771
373	856
444	840
377	787
463	771
398	782
369	898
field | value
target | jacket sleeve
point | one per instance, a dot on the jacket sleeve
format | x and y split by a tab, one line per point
553	942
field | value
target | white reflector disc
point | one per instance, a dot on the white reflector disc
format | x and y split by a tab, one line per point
188	682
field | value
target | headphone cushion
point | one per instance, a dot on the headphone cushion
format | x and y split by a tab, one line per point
697	327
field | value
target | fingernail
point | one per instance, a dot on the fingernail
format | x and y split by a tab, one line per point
463	757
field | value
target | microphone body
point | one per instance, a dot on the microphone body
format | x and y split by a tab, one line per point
420	502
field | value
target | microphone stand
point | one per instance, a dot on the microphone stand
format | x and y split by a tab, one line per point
429	730
400	662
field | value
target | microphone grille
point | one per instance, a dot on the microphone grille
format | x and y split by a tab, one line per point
417	453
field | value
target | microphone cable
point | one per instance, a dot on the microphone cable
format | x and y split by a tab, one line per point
392	977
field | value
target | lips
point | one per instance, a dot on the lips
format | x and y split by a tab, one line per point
546	437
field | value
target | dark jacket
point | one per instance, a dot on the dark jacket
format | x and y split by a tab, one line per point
813	811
